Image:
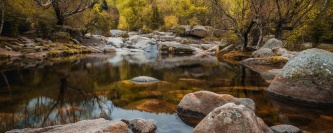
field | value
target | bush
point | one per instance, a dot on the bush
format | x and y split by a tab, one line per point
170	21
180	30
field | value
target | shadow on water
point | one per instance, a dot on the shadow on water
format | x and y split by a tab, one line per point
98	86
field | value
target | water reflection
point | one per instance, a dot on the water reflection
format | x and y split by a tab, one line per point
98	86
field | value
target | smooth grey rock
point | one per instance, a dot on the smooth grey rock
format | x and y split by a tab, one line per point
248	102
279	51
285	129
232	118
115	41
272	43
117	33
167	38
263	52
144	80
141	125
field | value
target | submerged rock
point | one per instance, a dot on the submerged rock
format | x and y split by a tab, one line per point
232	118
200	103
306	78
285	129
144	80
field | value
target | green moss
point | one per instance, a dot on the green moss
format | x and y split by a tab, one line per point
25	51
236	55
180	30
275	60
54	53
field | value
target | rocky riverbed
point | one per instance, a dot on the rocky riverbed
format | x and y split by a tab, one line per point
305	78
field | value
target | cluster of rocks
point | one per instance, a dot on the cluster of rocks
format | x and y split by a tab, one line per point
198	31
225	113
271	53
37	48
166	42
97	126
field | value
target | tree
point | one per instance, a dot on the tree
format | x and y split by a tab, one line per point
237	16
66	8
289	14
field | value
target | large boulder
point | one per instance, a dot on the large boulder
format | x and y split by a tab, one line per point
232	118
199	31
200	103
306	78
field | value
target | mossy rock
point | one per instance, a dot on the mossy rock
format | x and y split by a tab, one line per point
25	51
306	79
180	30
61	36
235	55
274	61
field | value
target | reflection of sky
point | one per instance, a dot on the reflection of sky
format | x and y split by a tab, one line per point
166	123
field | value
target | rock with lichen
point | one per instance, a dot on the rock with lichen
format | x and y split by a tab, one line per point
232	118
306	78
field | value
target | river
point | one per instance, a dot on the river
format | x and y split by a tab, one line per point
66	90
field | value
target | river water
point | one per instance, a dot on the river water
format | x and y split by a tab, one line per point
60	91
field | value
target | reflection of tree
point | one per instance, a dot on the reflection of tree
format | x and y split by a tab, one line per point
7	83
66	108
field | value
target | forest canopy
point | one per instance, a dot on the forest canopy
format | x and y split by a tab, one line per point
246	22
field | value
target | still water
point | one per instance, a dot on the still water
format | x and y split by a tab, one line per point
60	91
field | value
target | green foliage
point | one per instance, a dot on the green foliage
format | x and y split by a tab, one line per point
180	30
317	32
170	21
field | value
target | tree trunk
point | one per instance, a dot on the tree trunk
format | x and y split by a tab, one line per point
2	15
60	17
246	41
278	31
246	36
